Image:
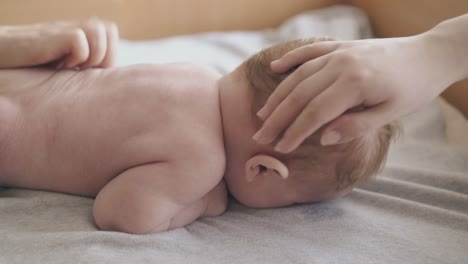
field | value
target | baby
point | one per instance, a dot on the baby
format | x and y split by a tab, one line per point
157	145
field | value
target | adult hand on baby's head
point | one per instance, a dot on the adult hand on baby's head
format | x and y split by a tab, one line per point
352	87
64	45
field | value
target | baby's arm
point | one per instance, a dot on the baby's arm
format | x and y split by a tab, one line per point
91	43
146	199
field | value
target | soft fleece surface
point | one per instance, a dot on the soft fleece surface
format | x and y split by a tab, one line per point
416	211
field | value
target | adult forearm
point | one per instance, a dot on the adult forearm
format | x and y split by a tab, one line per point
7	50
398	18
453	36
457	30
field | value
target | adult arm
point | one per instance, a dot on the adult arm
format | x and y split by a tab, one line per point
384	79
90	43
398	18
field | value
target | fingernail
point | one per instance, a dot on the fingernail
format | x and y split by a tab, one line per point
262	113
274	64
261	138
330	138
281	147
257	135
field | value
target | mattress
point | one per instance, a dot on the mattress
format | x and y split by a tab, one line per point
415	211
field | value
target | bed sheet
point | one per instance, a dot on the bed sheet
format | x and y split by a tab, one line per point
415	211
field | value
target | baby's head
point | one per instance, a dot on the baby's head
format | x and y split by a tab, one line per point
258	176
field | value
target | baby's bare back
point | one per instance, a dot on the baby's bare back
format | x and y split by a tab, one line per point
74	131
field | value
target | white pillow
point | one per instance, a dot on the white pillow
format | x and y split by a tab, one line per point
226	50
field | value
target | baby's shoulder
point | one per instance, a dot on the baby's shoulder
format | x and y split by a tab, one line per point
193	70
173	71
182	80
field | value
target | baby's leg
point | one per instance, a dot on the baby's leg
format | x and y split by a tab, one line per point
216	200
139	201
135	201
212	204
8	129
188	214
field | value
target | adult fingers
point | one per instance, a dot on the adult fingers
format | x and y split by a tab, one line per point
356	124
292	105
302	55
324	108
78	51
289	84
112	32
97	41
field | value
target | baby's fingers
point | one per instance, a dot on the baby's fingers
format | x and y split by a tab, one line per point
324	108
302	55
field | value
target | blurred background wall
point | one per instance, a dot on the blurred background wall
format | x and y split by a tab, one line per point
144	19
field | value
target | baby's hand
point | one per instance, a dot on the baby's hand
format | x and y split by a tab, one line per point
64	45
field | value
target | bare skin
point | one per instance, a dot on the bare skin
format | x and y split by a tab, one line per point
122	136
148	141
63	44
401	18
431	57
152	143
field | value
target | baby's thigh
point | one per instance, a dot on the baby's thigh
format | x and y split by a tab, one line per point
213	203
8	130
134	202
188	214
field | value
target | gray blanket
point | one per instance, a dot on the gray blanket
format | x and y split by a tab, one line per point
415	211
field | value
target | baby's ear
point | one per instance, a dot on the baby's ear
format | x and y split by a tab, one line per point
265	166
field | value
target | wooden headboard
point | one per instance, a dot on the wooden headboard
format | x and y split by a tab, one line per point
146	19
